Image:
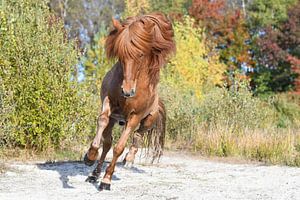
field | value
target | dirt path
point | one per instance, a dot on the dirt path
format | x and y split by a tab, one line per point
175	177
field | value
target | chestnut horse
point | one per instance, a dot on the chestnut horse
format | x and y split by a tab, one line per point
129	94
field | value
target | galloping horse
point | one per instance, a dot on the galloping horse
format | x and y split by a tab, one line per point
129	94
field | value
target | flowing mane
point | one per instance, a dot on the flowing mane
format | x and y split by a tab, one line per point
150	35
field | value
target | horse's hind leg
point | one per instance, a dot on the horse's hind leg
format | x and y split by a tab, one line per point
107	142
146	124
136	142
103	120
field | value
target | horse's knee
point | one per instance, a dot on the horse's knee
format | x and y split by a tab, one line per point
103	120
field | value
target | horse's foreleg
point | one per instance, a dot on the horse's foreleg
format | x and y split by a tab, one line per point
118	150
107	142
103	121
146	124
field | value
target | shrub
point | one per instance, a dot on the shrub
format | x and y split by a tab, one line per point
229	123
235	109
39	95
287	110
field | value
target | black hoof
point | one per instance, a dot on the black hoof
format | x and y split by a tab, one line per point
87	161
124	161
104	186
92	179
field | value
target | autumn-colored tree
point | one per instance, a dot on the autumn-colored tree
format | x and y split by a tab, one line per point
227	29
207	13
231	37
278	55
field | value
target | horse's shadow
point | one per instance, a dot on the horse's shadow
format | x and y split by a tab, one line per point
74	168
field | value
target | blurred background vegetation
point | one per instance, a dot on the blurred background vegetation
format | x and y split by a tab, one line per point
232	89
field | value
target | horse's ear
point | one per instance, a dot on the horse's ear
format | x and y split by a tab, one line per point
116	24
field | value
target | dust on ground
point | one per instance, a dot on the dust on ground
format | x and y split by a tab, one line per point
177	176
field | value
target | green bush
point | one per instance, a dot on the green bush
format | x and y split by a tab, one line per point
41	105
235	109
183	112
232	123
287	111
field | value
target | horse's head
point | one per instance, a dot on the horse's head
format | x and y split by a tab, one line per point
140	42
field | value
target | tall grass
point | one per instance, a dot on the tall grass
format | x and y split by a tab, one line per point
233	123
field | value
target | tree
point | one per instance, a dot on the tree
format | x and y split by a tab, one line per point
135	7
278	55
208	14
227	30
263	13
194	65
173	8
83	18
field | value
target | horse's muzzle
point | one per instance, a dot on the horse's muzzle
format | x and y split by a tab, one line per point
129	94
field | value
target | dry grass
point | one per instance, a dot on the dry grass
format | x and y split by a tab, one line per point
269	146
3	168
25	155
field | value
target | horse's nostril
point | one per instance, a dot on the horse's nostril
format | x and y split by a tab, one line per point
132	92
125	94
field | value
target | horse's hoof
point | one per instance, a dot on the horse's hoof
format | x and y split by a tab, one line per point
128	160
92	179
104	186
87	161
124	161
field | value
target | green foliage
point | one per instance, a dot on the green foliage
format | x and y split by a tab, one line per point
135	7
38	80
288	112
182	112
232	123
235	109
264	12
94	67
277	56
170	6
95	63
219	107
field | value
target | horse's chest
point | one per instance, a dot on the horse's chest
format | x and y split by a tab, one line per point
127	107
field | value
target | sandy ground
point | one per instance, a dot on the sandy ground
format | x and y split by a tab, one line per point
175	177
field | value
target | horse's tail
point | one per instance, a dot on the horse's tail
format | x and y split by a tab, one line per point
156	136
